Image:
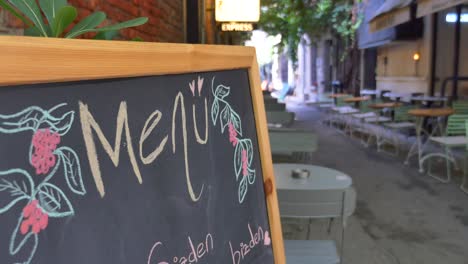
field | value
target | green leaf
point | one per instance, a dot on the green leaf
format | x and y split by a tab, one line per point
215	111
238	159
72	169
5	6
64	18
32	32
31	10
51	9
242	189
15	185
236	122
88	24
222	91
107	35
130	23
139	39
54	201
225	117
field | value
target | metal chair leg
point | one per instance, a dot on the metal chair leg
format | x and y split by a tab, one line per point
448	160
343	226
464	184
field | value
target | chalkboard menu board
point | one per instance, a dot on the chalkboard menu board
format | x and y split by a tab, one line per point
163	168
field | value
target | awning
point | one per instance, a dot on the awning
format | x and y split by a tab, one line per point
390	14
426	7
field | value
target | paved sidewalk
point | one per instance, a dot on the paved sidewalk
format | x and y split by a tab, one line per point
402	216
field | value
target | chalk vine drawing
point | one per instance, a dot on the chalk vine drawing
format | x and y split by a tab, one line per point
39	197
243	148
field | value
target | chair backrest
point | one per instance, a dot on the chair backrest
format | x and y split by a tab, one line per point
340	100
460	107
382	92
466	133
401	113
280	117
316	204
456	125
275	106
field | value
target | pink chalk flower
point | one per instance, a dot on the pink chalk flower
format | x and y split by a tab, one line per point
34	218
232	134
44	142
245	166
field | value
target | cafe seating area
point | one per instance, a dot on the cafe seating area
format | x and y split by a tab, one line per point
329	196
403	127
433	127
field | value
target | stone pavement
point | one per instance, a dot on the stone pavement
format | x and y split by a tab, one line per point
402	216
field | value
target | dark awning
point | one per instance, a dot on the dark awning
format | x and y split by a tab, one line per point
368	39
390	14
426	7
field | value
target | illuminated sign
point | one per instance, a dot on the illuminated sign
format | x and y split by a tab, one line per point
237	26
237	10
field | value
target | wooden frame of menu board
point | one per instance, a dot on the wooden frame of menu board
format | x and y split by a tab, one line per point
28	60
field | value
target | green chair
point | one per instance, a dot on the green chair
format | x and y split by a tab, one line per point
402	121
280	118
460	107
455	136
464	184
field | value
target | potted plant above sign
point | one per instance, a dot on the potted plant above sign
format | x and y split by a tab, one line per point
51	18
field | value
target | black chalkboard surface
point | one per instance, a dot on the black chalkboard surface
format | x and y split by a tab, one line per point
161	169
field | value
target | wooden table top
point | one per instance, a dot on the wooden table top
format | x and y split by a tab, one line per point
337	95
356	99
385	105
431	112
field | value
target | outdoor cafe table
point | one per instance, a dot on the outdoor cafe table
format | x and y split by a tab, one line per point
321	180
396	96
356	100
369	92
421	114
428	99
337	95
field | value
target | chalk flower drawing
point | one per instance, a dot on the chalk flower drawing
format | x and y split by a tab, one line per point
39	197
243	149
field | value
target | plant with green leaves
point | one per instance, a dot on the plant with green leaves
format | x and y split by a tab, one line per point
293	18
51	18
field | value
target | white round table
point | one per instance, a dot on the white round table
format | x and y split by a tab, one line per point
369	92
426	98
396	96
320	178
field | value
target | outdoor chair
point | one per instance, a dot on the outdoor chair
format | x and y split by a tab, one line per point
357	121
413	102
280	118
342	111
374	129
455	136
275	106
310	205
298	144
464	184
460	107
402	122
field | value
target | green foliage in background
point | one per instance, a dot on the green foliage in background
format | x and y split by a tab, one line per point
293	18
50	18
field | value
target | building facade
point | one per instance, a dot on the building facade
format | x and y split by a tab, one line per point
412	46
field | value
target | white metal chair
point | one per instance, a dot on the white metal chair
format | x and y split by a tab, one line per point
280	118
317	204
455	136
